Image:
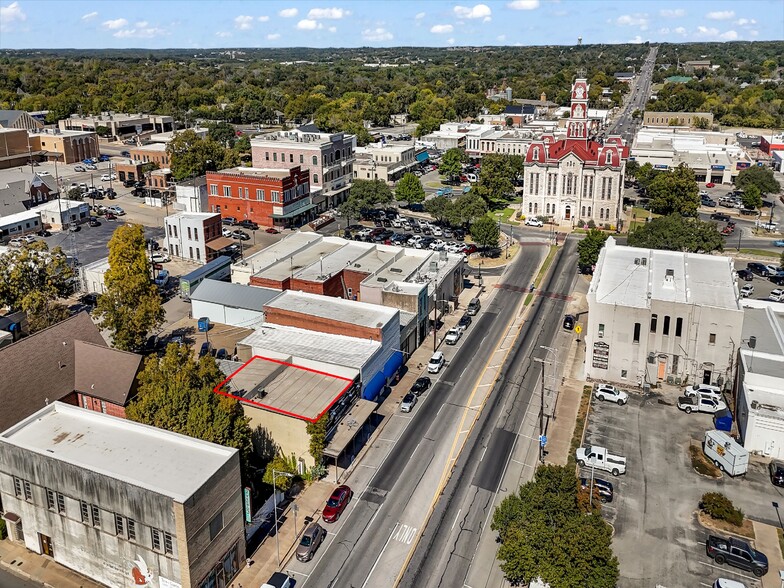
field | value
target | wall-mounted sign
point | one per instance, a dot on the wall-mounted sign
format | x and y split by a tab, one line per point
718	167
661	166
601	355
742	165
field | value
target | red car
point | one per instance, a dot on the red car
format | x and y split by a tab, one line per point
272	231
710	185
336	504
469	249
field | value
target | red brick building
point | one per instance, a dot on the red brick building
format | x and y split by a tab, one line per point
269	197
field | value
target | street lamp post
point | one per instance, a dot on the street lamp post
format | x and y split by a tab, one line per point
275	475
541	411
554	351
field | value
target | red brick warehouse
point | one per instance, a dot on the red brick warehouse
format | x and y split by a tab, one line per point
269	197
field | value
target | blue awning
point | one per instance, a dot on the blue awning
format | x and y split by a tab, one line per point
424	156
374	386
393	364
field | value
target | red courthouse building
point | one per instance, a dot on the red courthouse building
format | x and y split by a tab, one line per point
269	197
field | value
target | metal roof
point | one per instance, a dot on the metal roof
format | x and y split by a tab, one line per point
373	316
234	295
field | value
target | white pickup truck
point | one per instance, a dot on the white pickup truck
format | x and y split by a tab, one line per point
701	403
601	459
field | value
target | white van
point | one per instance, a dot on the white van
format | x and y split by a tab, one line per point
472	178
725	453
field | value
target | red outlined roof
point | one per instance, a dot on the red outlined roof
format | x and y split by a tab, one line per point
331	385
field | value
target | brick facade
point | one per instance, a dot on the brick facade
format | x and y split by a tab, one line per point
268	197
323	325
98	405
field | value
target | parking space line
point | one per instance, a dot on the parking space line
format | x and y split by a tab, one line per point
724	569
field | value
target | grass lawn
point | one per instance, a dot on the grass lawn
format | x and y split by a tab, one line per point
762	252
504	216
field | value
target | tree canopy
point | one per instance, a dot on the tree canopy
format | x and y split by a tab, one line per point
751	197
33	278
676	233
176	393
192	156
131	306
760	177
409	189
365	194
486	233
588	249
674	191
451	163
495	177
545	534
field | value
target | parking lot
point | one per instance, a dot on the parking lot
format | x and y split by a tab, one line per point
763	286
657	538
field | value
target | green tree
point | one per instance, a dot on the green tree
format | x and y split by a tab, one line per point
645	174
102	131
175	392
451	163
761	177
350	209
674	191
752	198
486	233
632	167
544	534
701	123
318	437
409	189
438	207
75	194
192	156
281	463
495	178
42	311
465	209
588	249
370	193
32	277
223	133
148	167
131	306
676	233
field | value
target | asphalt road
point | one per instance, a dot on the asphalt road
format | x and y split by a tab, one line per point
373	540
9	580
446	551
625	125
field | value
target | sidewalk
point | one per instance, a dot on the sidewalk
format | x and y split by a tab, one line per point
312	498
18	560
767	541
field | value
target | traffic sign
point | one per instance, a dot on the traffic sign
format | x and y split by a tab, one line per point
578	329
542	440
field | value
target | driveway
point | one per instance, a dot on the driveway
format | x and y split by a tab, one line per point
657	537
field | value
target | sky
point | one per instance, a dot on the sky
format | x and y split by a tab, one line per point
203	24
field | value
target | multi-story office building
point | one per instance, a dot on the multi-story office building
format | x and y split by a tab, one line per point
189	235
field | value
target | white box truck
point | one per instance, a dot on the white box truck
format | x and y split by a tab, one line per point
725	453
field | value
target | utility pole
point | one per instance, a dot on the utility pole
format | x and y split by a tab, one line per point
542	438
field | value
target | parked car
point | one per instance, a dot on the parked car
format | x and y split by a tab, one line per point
720	216
16	242
710	185
229	220
93	222
464	322
420	386
700	403
758	268
248	224
747	290
725	583
533	222
601	459
408	402
227	232
162	278
311	539
776	295
737	553
602	487
110	215
569	321
708	202
206	349
241	235
160	258
746	275
108	177
611	393
116	210
453	336
778	243
125	153
91	166
336	504
436	362
703	390
151	244
279	580
776	471
74	227
79	168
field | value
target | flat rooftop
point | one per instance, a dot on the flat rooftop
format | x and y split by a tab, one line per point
256	172
156	147
373	316
293	261
338	350
193	216
690	278
336	261
283	249
285	388
160	461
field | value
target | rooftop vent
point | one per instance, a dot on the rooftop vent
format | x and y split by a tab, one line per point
382	279
397	270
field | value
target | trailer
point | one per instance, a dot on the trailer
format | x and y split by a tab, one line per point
217	269
725	453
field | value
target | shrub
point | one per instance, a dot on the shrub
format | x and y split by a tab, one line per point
591	224
2	530
719	507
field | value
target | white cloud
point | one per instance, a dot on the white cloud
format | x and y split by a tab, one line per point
333	29
273	36
637	40
679	30
672	13
742	22
664	31
479	11
308	24
633	20
420	15
707	31
90	16
442	29
115	24
288	12
140	33
243	22
10	15
729	36
223	34
377	35
142	24
523	5
721	15
501	38
328	13
263	18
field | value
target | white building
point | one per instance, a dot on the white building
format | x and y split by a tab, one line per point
192	195
381	161
58	213
21	223
662	316
576	178
92	276
231	304
122	503
189	234
759	387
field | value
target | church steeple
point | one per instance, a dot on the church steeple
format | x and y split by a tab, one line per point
577	127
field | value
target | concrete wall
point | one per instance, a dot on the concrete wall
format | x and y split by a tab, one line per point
287	432
324	325
96	552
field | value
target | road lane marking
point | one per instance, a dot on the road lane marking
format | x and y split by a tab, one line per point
724	569
456	519
370	573
405	534
483	454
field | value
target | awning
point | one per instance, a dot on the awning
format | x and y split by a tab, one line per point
393	364
220	243
12	517
294	213
349	426
424	156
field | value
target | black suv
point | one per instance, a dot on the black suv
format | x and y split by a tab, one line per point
420	385
737	553
776	469
757	268
248	224
720	216
464	322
